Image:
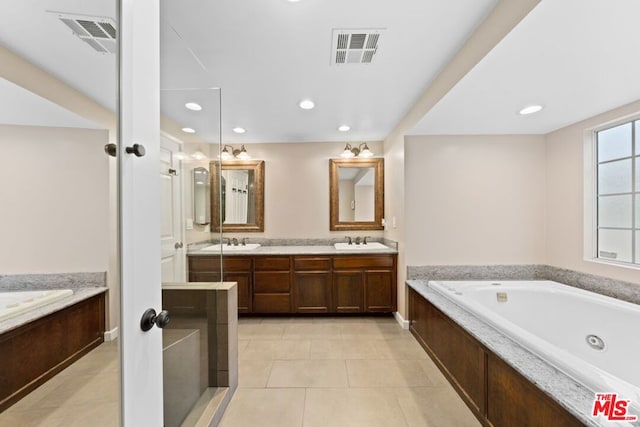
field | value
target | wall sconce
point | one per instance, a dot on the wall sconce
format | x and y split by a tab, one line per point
359	151
235	154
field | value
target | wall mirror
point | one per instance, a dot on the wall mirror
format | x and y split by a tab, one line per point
237	195
201	192
356	194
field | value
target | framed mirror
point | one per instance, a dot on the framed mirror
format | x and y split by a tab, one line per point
356	194
201	191
239	185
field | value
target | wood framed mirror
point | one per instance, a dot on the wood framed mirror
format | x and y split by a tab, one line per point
356	194
237	195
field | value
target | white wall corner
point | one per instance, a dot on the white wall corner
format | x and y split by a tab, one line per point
111	335
403	323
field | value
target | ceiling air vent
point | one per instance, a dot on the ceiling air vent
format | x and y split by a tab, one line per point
355	46
97	32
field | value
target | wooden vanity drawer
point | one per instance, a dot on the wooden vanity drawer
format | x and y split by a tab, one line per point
316	264
272	263
212	263
271	282
271	303
346	263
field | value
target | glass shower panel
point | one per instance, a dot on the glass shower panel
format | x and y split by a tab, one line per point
190	339
58	111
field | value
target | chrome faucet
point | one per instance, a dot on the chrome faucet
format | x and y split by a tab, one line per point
244	241
349	241
364	239
358	240
235	241
228	241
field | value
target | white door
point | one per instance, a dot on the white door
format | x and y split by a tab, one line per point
171	234
139	188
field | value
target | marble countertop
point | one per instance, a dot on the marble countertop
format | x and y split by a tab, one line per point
293	250
79	294
571	395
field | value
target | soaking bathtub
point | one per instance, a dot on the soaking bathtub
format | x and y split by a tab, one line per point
590	337
16	303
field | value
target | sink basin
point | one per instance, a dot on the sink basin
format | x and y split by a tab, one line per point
230	248
360	247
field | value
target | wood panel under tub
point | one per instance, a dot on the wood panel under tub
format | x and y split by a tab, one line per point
496	394
36	351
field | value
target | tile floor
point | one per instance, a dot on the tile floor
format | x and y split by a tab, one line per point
302	372
338	372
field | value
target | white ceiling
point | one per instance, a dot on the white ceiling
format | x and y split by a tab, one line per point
577	58
266	56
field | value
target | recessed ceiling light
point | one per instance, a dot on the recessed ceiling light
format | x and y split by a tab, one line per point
193	106
239	130
188	130
294	1
344	128
307	104
530	109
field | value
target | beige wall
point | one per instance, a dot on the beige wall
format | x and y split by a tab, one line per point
297	189
394	209
475	200
565	199
55	199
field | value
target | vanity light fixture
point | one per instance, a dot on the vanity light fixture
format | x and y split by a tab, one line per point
188	130
307	104
239	130
361	150
193	106
235	154
344	128
199	155
530	109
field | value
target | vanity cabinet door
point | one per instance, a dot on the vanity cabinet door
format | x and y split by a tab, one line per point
312	284
348	291
379	291
313	292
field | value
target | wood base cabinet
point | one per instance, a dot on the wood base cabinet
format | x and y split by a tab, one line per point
496	394
362	283
240	270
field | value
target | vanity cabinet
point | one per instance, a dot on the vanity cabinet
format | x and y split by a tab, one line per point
365	283
267	284
272	284
312	278
236	269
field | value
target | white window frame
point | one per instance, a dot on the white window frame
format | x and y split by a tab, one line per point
591	193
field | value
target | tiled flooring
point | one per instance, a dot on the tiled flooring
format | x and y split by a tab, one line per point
338	372
86	393
302	372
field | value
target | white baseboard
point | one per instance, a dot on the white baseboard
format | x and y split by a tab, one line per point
403	323
111	335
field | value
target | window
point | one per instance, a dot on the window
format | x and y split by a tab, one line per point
618	192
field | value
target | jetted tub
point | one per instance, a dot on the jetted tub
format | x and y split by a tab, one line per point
16	303
592	338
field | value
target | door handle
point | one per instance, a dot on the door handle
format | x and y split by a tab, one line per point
178	245
150	318
137	149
